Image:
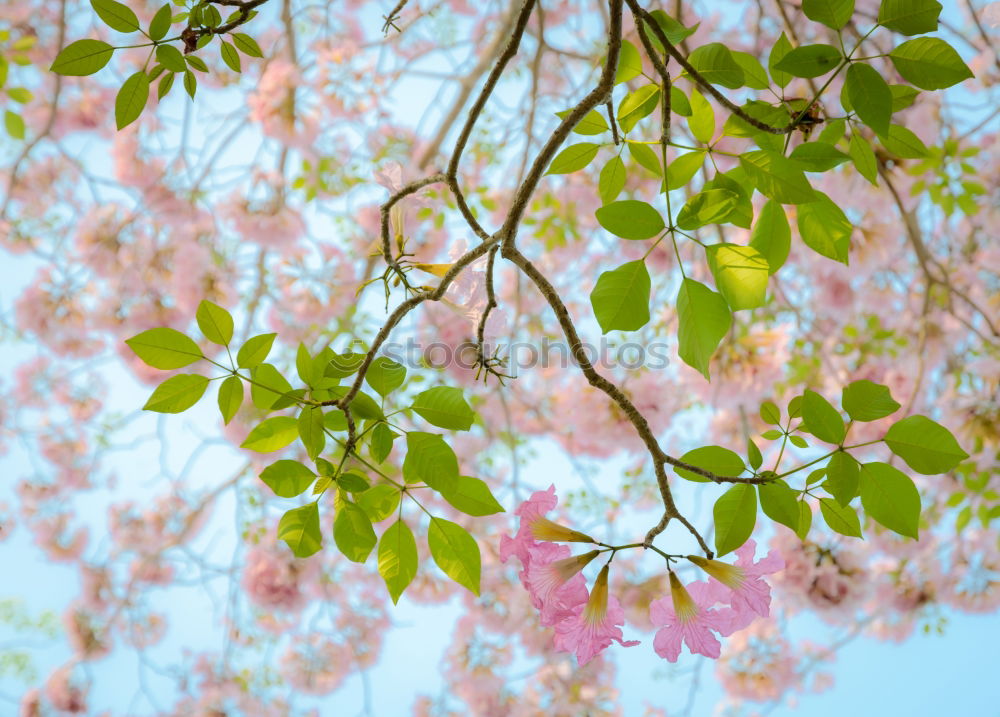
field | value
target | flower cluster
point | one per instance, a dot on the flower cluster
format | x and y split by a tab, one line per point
587	622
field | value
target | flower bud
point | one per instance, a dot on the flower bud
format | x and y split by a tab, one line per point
568	567
597	605
545	529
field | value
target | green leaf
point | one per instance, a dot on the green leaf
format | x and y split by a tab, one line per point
735	515
455	552
822	418
909	17
818	156
165	84
778	502
131	99
674	31
164	348
864	158
832	13
272	434
287	478
777	177
629	63
176	394
889	496
781	48
353	482
704	319
843	477
645	157
160	24
630	219
805	520
14	124
190	83
444	407
299	528
430	460
772	236
710	206
472	496
379	501
903	143
683	168
255	350
353	532
867	401
740	274
720	461
842	519
592	123
21	95
715	63
869	96
215	322
385	375
621	297
397	558
344	365
810	60
230	56
798	441
702	119
612	180
311	430
679	102
81	58
246	44
637	105
903	96
929	63
196	62
926	446
115	15
754	74
754	456
573	158
305	366
734	181
268	386
770	413
171	58
825	228
230	398
363	406
381	442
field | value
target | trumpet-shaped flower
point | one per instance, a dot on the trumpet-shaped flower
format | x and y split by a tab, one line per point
593	625
689	617
741	585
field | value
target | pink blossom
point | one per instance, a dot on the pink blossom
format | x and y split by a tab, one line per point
555	595
689	617
741	585
593	625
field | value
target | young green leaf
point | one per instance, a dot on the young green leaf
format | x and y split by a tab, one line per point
716	459
255	350
444	407
822	418
832	13
867	401
81	58
171	58
777	177
754	456
160	24
592	123
926	446
299	528
869	96
909	17
772	236
353	532
287	478
683	168
740	274
620	298
268	386
630	219
843	477
612	180
754	74
735	514
176	394
710	206
385	375
842	519
215	322
353	482
637	105
311	430
810	60
272	434
770	413
573	158
131	99
164	348
903	143
778	502
702	119
779	50
818	156
115	15
230	56
715	63
397	558
825	228
246	44
165	84
864	158
889	496
704	319
455	552
472	496
629	63
190	83
230	398
379	501
430	460
380	443
645	157
805	520
929	63
14	124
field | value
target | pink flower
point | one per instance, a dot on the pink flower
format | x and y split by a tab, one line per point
690	618
540	503
554	582
741	585
593	625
